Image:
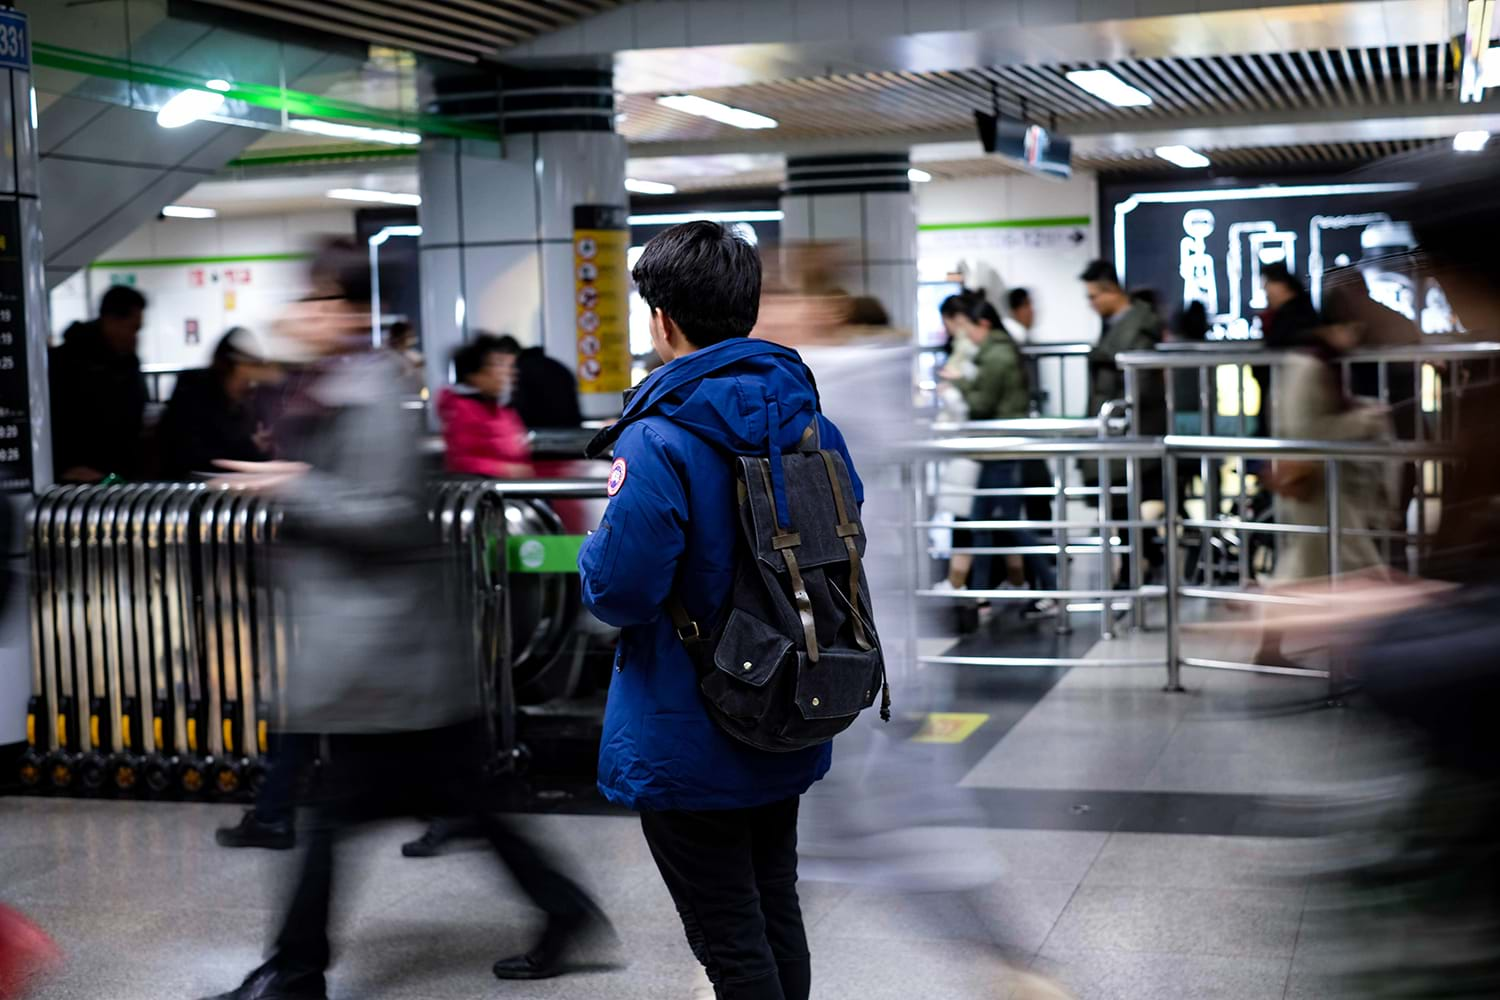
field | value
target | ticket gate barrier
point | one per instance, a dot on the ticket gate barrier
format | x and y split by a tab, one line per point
160	636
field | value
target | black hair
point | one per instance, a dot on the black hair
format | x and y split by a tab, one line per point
341	264
866	310
469	359
1191	322
705	278
1101	272
121	302
1016	298
956	305
979	310
232	349
1282	275
505	343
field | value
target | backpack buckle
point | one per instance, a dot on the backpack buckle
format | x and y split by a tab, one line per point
689	632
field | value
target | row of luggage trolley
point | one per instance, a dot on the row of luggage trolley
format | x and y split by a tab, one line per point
159	635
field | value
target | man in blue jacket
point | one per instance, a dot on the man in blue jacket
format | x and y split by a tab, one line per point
719	816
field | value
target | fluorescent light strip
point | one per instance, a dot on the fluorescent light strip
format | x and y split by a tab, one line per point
1109	88
360	133
189	212
1471	141
189	106
377	197
672	218
1183	156
917	175
648	187
704	108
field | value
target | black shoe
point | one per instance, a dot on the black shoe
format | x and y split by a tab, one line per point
426	846
269	983
251	832
563	937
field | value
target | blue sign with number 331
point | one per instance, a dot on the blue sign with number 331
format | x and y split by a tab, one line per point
15	45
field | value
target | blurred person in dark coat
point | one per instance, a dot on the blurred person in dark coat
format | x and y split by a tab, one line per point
99	393
211	414
380	665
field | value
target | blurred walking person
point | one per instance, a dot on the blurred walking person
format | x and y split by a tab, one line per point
379	665
482	433
1314	406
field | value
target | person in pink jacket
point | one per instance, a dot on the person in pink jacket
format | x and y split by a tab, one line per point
483	434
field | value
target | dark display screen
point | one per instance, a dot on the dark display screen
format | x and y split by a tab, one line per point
15	411
1209	245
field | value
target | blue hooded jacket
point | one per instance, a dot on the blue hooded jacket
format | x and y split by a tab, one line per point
672	519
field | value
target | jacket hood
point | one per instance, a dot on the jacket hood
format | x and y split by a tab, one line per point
744	396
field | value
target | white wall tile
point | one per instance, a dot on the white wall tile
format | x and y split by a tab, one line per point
823	20
661	25
766	20
715	22
440	332
438	184
1045	12
879	19
578	168
895	285
796	223
610	31
838	217
253	234
504	293
890	221
499	193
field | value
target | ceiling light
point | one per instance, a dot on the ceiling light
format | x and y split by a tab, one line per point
704	108
378	197
361	133
672	218
188	212
917	176
191	105
1182	156
1471	141
1107	87
648	186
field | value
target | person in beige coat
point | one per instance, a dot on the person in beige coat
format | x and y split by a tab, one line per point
1314	407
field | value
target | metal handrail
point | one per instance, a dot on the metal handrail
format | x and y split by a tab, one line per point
1199	446
1079	349
1019	447
1196	356
1024	426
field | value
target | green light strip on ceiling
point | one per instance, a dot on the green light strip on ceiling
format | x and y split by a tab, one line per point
292	102
312	155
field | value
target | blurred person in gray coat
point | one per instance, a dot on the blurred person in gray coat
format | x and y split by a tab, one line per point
378	666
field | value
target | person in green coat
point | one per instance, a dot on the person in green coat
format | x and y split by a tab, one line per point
998	390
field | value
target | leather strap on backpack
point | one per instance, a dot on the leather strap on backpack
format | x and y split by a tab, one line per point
786	543
848	531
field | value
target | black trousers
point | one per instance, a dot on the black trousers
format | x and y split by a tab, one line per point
733	876
373	777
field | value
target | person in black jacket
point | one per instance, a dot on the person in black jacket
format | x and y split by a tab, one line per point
99	394
546	391
210	416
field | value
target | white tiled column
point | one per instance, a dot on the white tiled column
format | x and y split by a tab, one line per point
864	203
497	218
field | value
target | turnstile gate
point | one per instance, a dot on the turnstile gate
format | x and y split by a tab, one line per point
160	637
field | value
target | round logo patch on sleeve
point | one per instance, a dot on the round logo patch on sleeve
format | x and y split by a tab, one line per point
616	476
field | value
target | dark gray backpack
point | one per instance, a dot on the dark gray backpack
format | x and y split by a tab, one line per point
792	658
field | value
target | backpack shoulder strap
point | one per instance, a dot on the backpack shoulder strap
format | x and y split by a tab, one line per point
848	530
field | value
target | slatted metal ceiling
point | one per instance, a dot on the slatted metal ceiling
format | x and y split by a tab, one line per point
466	30
1328	154
882	103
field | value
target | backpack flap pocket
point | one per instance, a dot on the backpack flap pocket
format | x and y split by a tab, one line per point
810	482
840	685
746	659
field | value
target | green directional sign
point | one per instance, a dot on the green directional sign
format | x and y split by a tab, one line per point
543	553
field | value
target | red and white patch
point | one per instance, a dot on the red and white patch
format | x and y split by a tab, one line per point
617	476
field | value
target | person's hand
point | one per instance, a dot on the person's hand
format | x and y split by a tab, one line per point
1311	608
950	374
262	439
81	474
258	477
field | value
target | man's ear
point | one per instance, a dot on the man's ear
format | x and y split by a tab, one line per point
669	328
